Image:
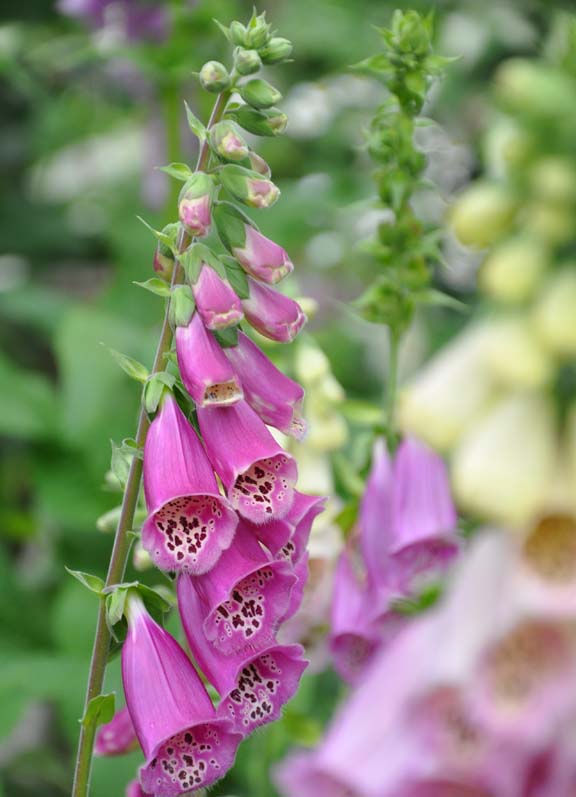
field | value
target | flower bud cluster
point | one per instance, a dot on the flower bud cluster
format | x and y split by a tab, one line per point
223	512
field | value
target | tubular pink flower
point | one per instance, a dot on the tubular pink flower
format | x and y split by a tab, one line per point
258	475
375	511
275	397
253	686
134	789
300	571
272	314
195	214
185	744
301	516
216	302
189	523
117	736
423	518
244	597
262	258
207	374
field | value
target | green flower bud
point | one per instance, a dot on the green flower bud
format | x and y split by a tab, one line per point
249	187
267	122
258	32
246	61
227	141
276	50
214	77
482	214
259	93
411	32
238	34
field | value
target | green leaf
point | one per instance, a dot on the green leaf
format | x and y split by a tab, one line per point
237	278
129	365
88	580
436	298
115	603
155	388
155	285
99	710
195	124
347	517
166	238
180	171
227	337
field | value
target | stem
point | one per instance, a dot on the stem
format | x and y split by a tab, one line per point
391	388
121	546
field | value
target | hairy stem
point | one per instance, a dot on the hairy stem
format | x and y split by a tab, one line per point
121	546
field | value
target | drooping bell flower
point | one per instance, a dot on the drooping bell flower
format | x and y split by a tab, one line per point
253	686
275	397
272	314
300	517
185	744
216	302
260	257
300	775
300	571
258	475
206	372
244	597
189	522
117	736
375	513
195	203
354	633
422	539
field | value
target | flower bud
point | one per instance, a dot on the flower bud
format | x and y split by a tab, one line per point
513	271
163	261
259	93
276	50
482	214
514	355
248	187
258	32
554	313
227	141
214	77
266	122
194	206
258	164
411	32
246	61
237	33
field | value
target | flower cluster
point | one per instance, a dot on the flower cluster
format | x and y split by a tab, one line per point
223	512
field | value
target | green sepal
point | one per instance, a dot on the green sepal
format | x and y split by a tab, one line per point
230	223
166	238
99	711
195	124
348	515
158	602
182	306
266	122
237	278
156	285
193	258
121	459
180	171
155	388
93	583
129	365
228	337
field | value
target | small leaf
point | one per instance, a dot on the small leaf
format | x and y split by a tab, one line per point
180	171
237	278
223	29
133	368
227	337
436	298
166	238
99	711
195	124
91	582
155	285
115	603
155	388
120	462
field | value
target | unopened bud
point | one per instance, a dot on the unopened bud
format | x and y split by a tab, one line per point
482	214
194	206
227	141
268	122
259	93
253	190
163	261
411	32
276	50
258	164
258	31
214	77
246	61
238	33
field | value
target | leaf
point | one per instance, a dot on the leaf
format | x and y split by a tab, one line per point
155	388
88	580
227	337
115	604
436	298
129	365
163	237
99	711
155	285
237	278
346	518
180	171
195	124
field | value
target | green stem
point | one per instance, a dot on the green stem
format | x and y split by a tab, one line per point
391	390
121	546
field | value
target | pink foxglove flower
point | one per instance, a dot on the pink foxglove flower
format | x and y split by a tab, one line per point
275	397
134	789
262	258
207	374
375	513
185	744
117	736
189	522
216	302
244	597
253	190
195	204
423	517
258	475
272	314
253	686
303	511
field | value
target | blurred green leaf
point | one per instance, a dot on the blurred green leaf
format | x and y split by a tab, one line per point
99	710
